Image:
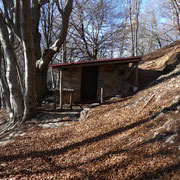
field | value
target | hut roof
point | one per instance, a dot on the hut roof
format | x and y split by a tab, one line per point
123	60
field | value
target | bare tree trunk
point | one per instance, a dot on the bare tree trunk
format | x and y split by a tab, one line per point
43	62
136	26
17	18
64	52
175	14
5	98
122	42
35	28
41	82
131	28
5	102
29	58
16	98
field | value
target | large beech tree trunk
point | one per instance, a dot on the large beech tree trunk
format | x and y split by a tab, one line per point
15	94
29	58
4	89
41	79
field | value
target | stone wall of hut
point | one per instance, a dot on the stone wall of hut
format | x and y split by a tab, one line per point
112	78
72	80
109	76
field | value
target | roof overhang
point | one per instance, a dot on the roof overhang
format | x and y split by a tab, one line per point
124	60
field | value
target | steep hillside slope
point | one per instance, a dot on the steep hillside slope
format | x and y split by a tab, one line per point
162	58
160	62
136	137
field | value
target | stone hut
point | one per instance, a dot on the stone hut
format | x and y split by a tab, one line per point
91	81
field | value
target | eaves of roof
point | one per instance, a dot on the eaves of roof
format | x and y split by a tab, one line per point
124	60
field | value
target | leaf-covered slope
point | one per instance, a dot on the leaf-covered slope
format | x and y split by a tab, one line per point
162	51
162	58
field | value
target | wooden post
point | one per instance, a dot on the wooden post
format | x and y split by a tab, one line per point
60	88
70	100
102	84
54	100
52	78
102	94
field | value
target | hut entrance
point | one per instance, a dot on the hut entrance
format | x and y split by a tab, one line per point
89	83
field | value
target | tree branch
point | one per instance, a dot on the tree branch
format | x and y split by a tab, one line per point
42	2
59	8
49	53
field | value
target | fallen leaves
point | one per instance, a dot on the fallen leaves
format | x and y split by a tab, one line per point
117	141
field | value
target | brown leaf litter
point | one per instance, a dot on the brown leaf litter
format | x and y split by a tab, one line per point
137	137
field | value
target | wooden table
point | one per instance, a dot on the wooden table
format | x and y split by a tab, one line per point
67	90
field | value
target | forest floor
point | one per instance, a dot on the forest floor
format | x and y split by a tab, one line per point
137	137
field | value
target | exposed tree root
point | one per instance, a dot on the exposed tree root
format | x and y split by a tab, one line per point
10	126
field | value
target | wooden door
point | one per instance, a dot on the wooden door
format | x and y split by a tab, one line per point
89	83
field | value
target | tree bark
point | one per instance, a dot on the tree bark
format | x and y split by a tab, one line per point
35	28
131	28
136	26
16	97
175	14
17	18
64	52
4	90
29	58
